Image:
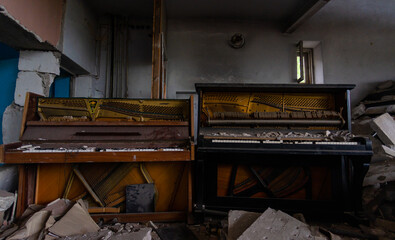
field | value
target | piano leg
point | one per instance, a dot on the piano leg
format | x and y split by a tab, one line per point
199	187
26	187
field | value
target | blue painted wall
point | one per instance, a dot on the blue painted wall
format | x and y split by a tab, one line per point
8	73
61	85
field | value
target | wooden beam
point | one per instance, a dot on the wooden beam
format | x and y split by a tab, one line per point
303	13
157	51
81	157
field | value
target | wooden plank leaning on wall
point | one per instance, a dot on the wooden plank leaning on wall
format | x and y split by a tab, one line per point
158	87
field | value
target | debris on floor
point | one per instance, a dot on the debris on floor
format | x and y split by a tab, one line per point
374	118
271	224
7	207
63	219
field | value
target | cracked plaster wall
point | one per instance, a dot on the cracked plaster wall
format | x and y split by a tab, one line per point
37	70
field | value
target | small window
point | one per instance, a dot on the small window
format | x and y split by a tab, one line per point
304	64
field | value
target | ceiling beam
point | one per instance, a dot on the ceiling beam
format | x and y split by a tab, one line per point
303	13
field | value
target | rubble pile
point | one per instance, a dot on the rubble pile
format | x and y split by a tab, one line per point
374	117
63	219
7	207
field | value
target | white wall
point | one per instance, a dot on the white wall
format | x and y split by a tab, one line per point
198	52
357	41
139	59
79	34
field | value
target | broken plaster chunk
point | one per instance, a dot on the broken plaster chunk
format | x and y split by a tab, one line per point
389	150
239	221
358	111
27	82
141	234
380	172
33	226
384	125
76	221
47	80
39	61
274	224
11	125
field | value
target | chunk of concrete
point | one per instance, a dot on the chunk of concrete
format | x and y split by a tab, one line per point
380	172
58	207
277	225
100	235
39	61
239	221
33	226
27	82
389	150
76	221
12	119
358	111
141	234
384	125
6	200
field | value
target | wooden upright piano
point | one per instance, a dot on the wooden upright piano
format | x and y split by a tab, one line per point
94	148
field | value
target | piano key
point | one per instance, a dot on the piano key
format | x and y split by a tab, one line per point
336	143
234	141
273	142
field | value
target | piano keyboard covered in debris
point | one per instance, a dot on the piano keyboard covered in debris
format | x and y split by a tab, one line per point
33	149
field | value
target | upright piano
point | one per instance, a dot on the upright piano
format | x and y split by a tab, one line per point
94	148
285	146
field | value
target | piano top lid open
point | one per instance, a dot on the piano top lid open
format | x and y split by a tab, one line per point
286	106
139	123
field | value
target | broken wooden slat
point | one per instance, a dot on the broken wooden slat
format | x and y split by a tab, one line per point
104	210
88	188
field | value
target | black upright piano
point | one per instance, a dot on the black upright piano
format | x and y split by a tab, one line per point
284	146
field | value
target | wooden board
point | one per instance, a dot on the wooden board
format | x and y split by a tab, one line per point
26	186
154	156
29	111
157	68
52	178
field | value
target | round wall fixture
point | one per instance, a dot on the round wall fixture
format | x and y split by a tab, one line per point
237	41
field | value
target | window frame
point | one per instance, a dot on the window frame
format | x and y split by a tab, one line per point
305	65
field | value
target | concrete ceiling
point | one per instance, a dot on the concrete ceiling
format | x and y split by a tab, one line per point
135	8
272	10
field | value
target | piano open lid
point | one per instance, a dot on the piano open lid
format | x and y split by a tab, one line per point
301	106
108	123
